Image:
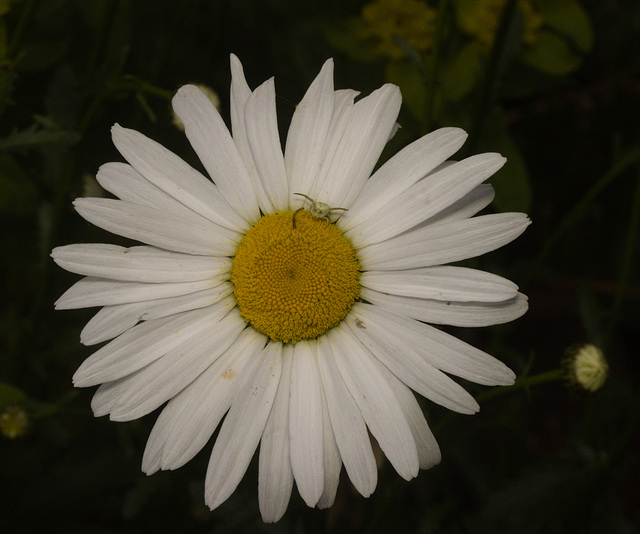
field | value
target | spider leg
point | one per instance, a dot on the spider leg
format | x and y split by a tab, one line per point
307	197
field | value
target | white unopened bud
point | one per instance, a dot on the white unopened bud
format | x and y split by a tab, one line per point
586	367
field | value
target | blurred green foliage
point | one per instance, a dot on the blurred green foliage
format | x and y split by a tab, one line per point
552	84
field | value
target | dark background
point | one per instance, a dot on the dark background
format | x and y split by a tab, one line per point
544	458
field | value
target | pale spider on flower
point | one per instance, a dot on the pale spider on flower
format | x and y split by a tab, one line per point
319	210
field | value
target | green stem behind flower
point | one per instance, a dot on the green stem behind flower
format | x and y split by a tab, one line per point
25	18
523	383
495	68
629	250
434	65
572	218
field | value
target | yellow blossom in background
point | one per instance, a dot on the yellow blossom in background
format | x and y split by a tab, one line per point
586	367
13	422
411	20
5	6
480	18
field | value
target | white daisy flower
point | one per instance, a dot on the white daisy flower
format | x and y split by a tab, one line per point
290	293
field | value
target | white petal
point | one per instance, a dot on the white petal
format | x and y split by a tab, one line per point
342	108
275	477
145	343
146	390
240	93
402	171
164	307
243	427
370	122
468	206
111	321
306	425
137	264
122	180
174	176
158	228
425	199
444	243
428	450
190	418
448	283
464	314
212	141
111	396
439	349
407	363
105	397
128	184
347	423
377	403
308	132
262	131
332	459
91	291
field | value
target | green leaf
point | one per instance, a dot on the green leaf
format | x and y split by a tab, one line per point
511	183
10	395
35	136
411	82
568	18
42	55
18	194
5	6
566	38
552	54
347	35
460	76
7	78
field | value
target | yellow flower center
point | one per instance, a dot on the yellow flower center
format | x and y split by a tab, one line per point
294	276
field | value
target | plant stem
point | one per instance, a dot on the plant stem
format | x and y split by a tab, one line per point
523	383
574	215
23	22
494	72
432	74
629	249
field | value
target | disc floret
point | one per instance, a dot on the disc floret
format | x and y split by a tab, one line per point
297	281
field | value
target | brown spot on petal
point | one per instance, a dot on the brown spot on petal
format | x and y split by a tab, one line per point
229	374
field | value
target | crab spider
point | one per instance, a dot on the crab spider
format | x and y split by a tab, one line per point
319	210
